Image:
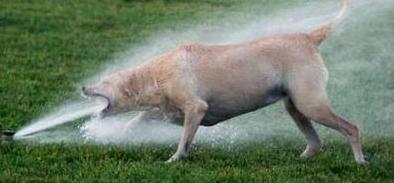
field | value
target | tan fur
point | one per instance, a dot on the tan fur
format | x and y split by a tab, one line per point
195	85
320	34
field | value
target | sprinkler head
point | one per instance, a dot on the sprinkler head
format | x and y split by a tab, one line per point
8	135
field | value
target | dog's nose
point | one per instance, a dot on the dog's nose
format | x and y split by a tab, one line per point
85	90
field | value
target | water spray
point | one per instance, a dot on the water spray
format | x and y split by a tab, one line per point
66	114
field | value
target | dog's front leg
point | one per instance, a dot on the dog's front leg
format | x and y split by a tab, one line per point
194	113
143	117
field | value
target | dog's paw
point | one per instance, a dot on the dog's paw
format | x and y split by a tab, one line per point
362	161
309	152
173	158
170	160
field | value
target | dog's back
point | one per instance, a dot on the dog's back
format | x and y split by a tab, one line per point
235	79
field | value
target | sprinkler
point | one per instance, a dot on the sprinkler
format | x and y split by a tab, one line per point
8	135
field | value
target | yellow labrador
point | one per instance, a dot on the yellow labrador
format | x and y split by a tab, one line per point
195	85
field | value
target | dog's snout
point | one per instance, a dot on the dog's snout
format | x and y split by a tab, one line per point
84	90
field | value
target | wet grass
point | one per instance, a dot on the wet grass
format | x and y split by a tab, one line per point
48	47
258	162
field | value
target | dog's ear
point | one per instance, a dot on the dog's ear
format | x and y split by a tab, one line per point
133	85
129	90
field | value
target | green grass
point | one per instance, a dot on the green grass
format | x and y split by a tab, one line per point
259	162
48	47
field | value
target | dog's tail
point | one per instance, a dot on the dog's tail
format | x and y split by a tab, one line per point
321	33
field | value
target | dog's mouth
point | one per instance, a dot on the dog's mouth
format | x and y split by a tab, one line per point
107	103
103	100
106	100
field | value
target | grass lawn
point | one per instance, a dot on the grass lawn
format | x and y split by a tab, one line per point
48	47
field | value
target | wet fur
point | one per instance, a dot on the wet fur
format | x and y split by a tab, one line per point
196	84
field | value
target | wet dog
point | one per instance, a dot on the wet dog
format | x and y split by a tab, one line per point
195	85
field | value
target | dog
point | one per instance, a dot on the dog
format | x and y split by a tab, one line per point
194	85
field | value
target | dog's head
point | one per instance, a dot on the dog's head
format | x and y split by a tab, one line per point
116	96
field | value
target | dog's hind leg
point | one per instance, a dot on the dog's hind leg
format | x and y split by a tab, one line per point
313	103
305	125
